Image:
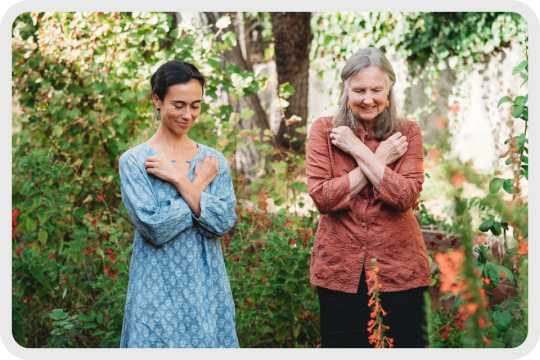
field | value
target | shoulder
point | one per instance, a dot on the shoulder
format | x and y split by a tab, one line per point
321	126
208	151
135	156
410	127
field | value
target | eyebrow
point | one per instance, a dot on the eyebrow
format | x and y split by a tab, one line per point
183	102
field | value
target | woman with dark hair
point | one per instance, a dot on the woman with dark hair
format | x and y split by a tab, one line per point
180	197
365	171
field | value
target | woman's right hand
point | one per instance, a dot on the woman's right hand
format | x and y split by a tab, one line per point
206	171
392	148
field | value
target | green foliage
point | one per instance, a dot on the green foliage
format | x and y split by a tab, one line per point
428	42
267	258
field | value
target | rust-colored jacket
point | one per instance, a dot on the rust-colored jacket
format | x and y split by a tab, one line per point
373	224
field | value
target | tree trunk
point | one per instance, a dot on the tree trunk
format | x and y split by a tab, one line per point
292	33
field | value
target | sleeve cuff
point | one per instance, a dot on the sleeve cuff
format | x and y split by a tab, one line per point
339	195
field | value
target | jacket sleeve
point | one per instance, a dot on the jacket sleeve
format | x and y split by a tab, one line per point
400	187
157	224
328	193
217	204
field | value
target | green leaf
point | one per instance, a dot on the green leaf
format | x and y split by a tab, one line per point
83	317
507	272
518	110
37	200
502	320
98	332
496	229
30	224
486	225
507	186
286	90
290	288
89	326
100	318
223	22
520	67
43	236
281	332
495	185
503	100
246	113
446	296
520	100
457	302
296	309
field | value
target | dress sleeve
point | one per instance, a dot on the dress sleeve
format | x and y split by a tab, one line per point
217	204
400	187
157	224
328	193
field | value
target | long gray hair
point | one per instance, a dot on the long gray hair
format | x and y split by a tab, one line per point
387	122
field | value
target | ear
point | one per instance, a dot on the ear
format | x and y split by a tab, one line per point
157	102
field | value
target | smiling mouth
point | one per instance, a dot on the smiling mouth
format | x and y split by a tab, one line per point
181	123
369	108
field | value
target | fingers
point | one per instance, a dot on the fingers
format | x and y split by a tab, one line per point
394	136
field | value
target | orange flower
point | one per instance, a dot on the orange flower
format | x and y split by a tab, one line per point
434	154
454	108
449	265
458	179
480	240
441	122
486	340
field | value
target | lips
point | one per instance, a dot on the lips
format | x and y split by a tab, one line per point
182	124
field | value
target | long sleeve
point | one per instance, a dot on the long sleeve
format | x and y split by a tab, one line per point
158	224
217	204
400	187
328	193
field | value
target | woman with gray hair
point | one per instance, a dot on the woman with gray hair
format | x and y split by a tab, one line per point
365	171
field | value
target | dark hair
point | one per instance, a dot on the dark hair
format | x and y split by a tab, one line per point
172	73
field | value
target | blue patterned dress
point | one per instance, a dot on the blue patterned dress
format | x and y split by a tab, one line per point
179	293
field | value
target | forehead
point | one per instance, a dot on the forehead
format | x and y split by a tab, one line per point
192	90
369	77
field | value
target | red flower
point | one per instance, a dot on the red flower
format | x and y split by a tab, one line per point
51	256
89	250
14	222
18	251
100	196
112	256
95	220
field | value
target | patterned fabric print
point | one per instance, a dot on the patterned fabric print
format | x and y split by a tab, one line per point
179	293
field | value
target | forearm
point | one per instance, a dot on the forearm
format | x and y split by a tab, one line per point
190	192
370	165
358	181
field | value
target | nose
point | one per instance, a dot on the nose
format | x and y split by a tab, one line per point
186	114
368	100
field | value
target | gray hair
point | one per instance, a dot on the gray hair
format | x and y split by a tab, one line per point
387	122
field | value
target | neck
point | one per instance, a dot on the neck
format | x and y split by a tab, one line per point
164	138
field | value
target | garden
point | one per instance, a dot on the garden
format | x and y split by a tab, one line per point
81	97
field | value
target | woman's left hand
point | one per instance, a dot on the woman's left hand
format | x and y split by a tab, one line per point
344	138
162	167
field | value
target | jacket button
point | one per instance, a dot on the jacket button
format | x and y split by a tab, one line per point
364	248
363	223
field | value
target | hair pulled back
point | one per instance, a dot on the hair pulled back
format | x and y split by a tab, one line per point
172	73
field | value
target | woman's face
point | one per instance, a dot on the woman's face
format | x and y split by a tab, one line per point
368	93
181	106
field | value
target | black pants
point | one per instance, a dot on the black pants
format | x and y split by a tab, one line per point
344	317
